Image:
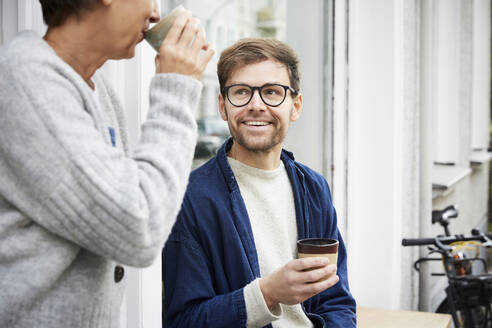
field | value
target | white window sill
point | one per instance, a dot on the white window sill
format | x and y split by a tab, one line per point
479	157
444	177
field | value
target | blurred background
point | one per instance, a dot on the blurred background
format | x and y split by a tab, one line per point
396	117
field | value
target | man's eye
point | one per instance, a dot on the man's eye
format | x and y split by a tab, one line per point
271	91
241	92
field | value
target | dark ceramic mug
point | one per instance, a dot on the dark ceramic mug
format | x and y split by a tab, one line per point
318	247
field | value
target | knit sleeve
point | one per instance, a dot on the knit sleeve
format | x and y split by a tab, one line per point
57	167
256	308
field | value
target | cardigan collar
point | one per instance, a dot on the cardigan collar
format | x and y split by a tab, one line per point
286	156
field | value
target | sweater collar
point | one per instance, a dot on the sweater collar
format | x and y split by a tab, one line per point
287	158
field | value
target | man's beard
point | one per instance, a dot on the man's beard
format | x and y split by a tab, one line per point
258	144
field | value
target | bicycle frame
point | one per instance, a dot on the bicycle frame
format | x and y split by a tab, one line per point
468	295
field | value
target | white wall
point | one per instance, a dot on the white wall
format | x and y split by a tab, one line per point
481	76
305	138
19	15
340	113
413	85
446	88
380	152
456	91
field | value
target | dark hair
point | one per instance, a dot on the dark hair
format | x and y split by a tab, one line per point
253	50
56	12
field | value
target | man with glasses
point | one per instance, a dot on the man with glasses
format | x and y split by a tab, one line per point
230	260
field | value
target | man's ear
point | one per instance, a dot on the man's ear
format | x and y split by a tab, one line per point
222	109
296	111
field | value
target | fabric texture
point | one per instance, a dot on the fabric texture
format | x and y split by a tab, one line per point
211	256
74	203
269	201
257	312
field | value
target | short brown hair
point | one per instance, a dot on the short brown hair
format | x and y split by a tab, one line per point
253	50
56	12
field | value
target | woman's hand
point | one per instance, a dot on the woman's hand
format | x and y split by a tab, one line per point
181	50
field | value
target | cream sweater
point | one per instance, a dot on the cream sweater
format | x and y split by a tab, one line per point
271	210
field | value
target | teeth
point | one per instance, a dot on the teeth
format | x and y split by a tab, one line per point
255	123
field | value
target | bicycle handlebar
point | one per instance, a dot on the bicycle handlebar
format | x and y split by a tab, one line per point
443	239
417	241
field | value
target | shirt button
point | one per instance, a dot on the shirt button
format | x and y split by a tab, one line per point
119	272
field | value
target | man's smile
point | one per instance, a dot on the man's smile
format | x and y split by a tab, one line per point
256	123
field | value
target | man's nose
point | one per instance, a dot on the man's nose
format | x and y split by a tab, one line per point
155	16
256	102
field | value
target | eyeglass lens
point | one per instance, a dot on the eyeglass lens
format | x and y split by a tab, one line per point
271	94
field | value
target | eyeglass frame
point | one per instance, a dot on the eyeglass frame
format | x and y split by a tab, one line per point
225	91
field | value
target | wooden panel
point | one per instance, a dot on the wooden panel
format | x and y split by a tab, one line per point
382	318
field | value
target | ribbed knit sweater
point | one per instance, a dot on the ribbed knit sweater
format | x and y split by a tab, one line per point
74	204
269	201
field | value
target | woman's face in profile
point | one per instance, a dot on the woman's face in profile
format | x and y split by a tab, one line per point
126	23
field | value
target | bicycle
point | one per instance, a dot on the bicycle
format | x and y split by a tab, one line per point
468	294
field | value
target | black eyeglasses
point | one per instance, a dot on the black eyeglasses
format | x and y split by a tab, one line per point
271	94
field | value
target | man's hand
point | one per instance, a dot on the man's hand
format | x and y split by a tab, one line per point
180	50
292	285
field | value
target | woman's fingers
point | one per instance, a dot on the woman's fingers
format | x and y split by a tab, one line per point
204	58
176	29
199	42
190	32
157	64
184	50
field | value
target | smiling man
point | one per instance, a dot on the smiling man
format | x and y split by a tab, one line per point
230	260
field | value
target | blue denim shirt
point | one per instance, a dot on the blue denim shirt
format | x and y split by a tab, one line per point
210	255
